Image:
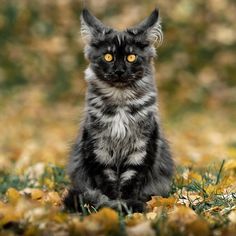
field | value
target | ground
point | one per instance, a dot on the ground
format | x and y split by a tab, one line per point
35	140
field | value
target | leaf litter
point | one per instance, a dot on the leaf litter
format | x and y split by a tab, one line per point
202	200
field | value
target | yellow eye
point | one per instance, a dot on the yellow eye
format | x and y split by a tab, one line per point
108	57
131	58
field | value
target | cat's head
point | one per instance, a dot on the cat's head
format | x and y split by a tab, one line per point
120	58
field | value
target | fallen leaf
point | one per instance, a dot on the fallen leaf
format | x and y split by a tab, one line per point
232	217
194	176
13	195
152	215
37	194
36	214
106	218
134	219
157	201
142	229
189	198
182	215
48	183
53	197
230	165
198	227
76	226
8	214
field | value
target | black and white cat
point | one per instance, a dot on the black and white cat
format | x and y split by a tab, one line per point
120	156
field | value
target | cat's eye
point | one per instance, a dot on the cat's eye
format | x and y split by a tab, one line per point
108	57
131	58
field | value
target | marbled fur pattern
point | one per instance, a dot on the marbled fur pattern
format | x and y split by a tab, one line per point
121	155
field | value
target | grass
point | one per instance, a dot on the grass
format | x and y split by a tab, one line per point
195	190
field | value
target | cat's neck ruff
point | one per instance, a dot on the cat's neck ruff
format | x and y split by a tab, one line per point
140	88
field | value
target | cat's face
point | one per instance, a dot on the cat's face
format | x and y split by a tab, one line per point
120	58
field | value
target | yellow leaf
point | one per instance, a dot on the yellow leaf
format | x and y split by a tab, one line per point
76	227
230	165
225	185
188	197
106	218
59	217
36	194
198	227
181	216
8	214
49	183
54	198
13	195
214	209
232	217
157	201
152	215
134	219
211	189
36	214
232	152
194	176
142	229
31	231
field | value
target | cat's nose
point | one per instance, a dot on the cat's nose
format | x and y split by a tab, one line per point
120	72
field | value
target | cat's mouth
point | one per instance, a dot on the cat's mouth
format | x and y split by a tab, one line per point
120	82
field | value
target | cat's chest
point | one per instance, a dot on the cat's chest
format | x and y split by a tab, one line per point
120	125
117	123
117	138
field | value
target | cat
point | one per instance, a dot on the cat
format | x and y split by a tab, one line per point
120	157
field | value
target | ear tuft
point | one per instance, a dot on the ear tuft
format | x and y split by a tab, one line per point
154	32
150	27
85	29
91	26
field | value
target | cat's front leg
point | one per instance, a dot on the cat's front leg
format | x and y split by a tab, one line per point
106	181
131	183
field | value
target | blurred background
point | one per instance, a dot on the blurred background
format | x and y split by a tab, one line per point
42	87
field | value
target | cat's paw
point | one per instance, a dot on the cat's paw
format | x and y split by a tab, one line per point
71	201
135	205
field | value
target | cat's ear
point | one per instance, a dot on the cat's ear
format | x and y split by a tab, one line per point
150	28
91	26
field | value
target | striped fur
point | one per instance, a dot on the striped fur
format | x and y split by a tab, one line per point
120	156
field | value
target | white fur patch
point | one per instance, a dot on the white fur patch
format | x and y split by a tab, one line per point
89	74
140	143
155	34
103	156
110	174
117	94
120	125
127	175
136	158
85	31
142	100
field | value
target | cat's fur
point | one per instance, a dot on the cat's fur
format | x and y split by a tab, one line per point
120	156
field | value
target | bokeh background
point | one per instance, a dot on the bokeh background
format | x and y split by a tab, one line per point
42	88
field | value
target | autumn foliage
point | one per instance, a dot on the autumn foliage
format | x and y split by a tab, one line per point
41	103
